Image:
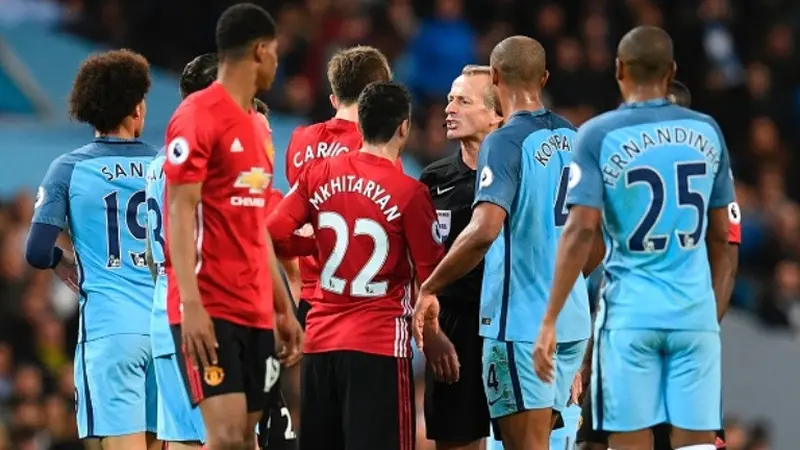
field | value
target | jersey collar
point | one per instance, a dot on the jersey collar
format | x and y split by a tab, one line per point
654	103
538	112
116	140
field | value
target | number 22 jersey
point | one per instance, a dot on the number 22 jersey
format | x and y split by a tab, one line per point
376	231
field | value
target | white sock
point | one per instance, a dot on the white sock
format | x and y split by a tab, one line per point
699	447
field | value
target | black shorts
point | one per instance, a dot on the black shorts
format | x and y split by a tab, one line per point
276	431
458	412
303	308
661	432
357	401
247	363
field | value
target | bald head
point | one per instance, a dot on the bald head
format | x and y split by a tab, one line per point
519	61
647	54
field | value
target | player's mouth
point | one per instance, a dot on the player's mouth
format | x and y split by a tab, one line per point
451	124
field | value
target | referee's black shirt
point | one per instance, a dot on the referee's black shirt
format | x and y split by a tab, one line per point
452	186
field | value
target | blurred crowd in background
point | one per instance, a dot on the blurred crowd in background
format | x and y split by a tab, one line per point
739	58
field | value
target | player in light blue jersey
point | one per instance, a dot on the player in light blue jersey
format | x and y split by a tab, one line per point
97	192
518	214
658	177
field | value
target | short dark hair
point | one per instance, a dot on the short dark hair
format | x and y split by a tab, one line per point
239	26
382	107
519	60
352	69
199	74
647	53
108	88
679	94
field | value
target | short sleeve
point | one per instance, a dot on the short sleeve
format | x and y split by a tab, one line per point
498	173
52	198
422	233
722	190
189	146
585	176
735	219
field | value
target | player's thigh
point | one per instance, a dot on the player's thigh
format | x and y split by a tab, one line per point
320	408
627	393
693	380
379	391
178	421
569	357
511	385
111	382
458	412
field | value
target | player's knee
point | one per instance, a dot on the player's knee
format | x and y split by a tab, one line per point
228	438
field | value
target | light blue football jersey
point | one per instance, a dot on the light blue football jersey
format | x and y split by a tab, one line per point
524	168
654	169
160	334
98	193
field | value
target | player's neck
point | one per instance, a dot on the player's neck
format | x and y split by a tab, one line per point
348	113
645	93
120	133
522	100
386	151
469	151
239	84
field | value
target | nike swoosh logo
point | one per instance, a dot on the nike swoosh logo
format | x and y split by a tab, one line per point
440	191
492	402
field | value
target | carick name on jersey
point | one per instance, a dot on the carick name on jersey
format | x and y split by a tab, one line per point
323	150
351	183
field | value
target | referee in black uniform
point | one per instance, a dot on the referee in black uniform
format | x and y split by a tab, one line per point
456	412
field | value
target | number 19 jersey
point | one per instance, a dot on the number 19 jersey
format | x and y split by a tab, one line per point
654	169
98	193
376	231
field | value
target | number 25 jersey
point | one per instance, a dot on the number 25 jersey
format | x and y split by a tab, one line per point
376	231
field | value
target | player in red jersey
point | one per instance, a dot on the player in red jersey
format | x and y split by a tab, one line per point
376	232
349	72
221	300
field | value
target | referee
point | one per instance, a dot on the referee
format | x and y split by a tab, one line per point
456	412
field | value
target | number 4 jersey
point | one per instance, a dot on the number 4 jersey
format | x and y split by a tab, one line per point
98	193
376	233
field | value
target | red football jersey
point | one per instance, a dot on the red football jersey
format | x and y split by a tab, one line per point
319	141
213	141
376	233
735	218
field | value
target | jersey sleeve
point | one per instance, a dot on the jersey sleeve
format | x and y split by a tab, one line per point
52	199
722	189
189	147
499	167
422	233
291	170
735	219
291	213
585	175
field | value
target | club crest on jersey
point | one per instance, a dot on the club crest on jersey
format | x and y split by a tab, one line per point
574	175
213	375
178	150
256	180
39	197
445	219
486	177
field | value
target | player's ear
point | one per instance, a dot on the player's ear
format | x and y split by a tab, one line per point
140	110
619	69
545	77
495	76
673	69
404	129
334	101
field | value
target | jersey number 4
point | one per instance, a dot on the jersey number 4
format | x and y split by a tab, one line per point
642	239
363	284
131	226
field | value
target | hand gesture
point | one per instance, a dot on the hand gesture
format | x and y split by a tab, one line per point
67	271
543	353
197	334
290	333
442	358
426	312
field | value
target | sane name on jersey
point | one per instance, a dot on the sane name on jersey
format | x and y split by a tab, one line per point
134	170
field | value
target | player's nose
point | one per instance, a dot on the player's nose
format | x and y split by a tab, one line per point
451	108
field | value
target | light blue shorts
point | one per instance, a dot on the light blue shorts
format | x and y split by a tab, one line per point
511	384
641	378
178	421
115	386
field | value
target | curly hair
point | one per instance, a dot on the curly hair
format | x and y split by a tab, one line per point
198	74
352	69
108	88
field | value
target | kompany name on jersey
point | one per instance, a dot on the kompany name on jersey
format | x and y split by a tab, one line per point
616	162
553	144
322	150
352	183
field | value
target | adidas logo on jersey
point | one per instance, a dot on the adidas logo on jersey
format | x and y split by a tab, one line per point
236	147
